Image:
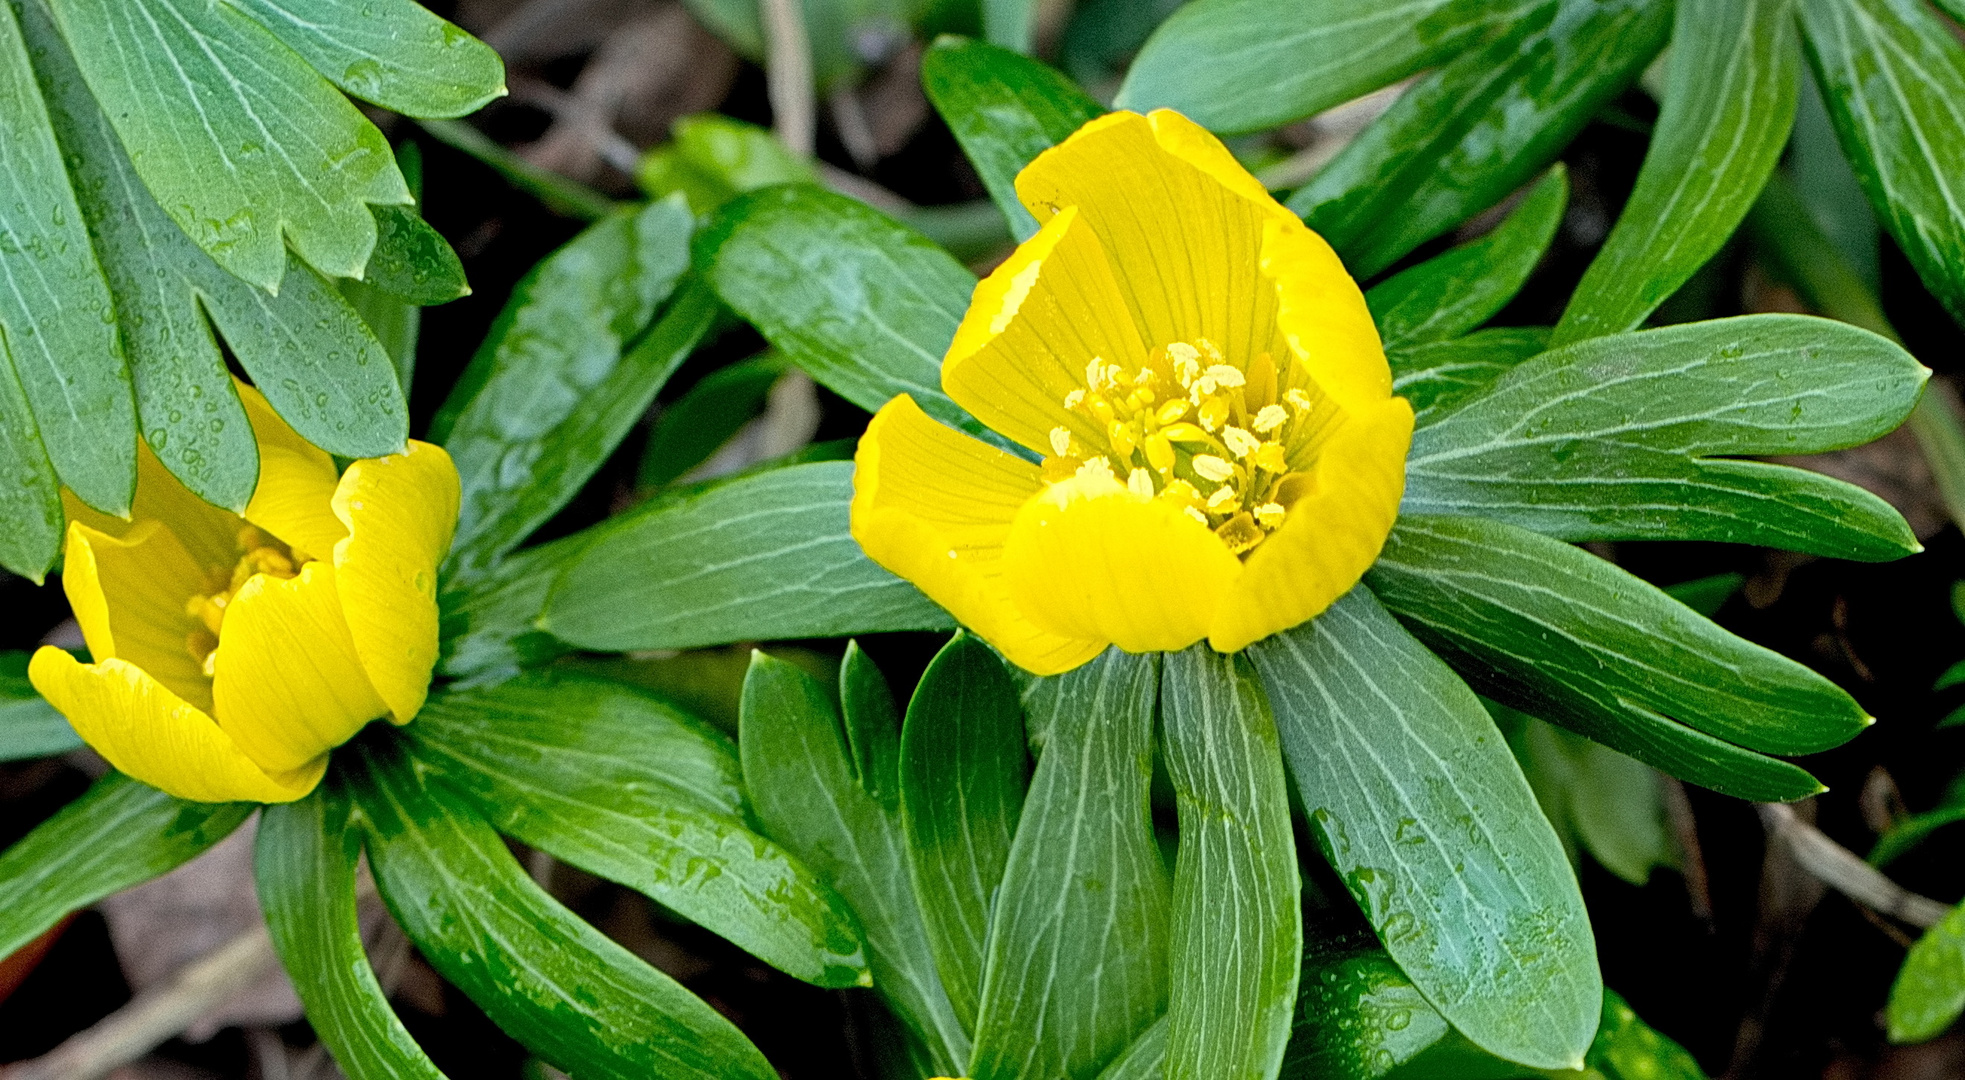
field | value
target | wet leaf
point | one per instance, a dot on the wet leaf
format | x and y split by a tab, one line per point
394	53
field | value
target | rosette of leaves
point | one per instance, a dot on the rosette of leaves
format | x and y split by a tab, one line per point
177	173
1068	939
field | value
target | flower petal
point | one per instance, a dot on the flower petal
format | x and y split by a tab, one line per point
129	595
1032	327
1181	221
210	534
296	481
1323	316
144	730
1090	559
934	506
287	684
400	512
1332	534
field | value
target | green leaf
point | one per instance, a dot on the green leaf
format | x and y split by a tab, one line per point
623	785
873	727
1010	24
714	410
1606	439
1729	102
561	195
1450	294
1076	966
865	305
1930	989
1357	1017
1438	375
1478	127
554	983
963	773
1005	109
1595	797
1627	1048
1237	940
394	53
565	373
1563	635
1913	830
413	260
30	496
57	324
1145	1059
243	144
489	629
1829	191
803	793
1893	78
1707	595
1418	805
760	557
304	865
712	159
118	834
1245	65
29	726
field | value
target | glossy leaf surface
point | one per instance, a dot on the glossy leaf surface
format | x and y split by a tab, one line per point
1930	989
394	53
490	621
29	726
1438	375
1357	1017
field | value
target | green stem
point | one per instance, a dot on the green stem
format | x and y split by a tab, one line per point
569	197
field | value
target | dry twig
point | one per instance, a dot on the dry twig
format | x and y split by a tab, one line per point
1840	869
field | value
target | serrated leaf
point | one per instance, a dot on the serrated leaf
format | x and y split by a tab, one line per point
760	557
1438	375
1076	966
1929	992
243	144
1894	80
29	726
1004	109
394	53
963	772
623	785
714	410
553	982
804	795
118	834
565	372
304	862
1563	635
1237	931
1607	439
1729	102
865	305
57	322
1452	293
1245	65
1419	807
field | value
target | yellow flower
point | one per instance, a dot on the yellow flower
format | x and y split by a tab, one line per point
231	654
1222	453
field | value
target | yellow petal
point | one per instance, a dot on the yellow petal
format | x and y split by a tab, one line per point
1031	328
296	482
1323	316
287	683
129	595
400	512
1332	534
210	534
934	506
1091	559
1181	222
144	730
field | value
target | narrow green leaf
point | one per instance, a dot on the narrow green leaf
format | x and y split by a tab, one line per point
30	496
873	727
118	834
688	432
1420	808
1005	109
489	630
243	144
803	793
565	373
1357	1017
1237	940
1826	183
1563	635
1729	102
1245	65
304	865
623	785
1930	989
863	304
1076	966
1915	829
29	726
554	983
963	773
760	557
1438	375
1894	80
1598	800
394	53
1707	595
1145	1059
57	323
1606	439
1450	294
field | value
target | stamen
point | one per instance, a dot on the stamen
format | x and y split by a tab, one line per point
1073	399
1173	410
1270	515
1222	496
1140	483
1061	441
1240	442
1269	419
1224	375
1298	399
1213	468
1196	514
1272	458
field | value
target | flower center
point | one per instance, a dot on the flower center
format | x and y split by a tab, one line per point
262	554
1225	442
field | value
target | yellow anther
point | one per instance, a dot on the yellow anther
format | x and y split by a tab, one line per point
1240	443
1101	409
1272	458
1185	433
1223	496
1061	441
1171	411
1060	468
1210	467
1140	483
1196	514
1159	452
1181	491
1270	515
1225	375
1298	399
1240	533
1123	437
1270	418
1212	412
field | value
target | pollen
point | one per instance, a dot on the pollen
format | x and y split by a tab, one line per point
1270	515
1213	468
1240	442
260	554
1140	483
1061	441
1269	418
